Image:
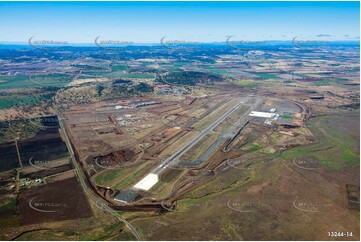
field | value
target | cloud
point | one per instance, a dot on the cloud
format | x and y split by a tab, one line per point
347	36
323	35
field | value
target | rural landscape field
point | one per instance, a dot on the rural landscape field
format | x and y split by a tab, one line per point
195	132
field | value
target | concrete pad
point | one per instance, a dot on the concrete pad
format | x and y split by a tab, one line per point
147	182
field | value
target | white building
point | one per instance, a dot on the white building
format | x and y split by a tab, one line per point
262	114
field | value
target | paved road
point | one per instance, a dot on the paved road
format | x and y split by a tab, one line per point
174	158
82	178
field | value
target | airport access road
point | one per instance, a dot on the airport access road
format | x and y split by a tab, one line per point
84	184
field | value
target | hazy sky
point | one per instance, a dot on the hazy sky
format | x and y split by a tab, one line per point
144	22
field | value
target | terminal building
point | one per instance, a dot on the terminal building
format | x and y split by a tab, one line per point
126	196
272	115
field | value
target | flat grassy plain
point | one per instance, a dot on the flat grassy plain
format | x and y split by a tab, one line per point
247	83
339	141
12	82
36	81
27	82
122	178
215	70
9	102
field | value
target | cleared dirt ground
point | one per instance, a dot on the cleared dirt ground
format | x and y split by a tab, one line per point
60	200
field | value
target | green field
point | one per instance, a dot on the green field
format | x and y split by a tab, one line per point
19	101
131	178
329	82
267	76
214	70
323	82
247	83
339	144
119	178
7	204
18	82
255	147
120	74
120	68
14	82
8	216
287	116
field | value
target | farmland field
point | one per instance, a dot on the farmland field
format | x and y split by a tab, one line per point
34	81
267	76
20	101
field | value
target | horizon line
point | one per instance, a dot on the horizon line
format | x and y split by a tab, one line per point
240	42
